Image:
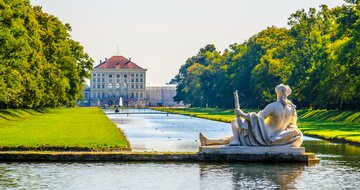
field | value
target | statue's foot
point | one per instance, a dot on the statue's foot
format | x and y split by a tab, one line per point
202	139
235	143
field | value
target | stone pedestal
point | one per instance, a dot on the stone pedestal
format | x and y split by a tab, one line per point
226	149
256	154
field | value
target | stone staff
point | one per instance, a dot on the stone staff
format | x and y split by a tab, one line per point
237	110
236	97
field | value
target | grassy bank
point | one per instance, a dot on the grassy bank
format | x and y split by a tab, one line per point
59	129
327	124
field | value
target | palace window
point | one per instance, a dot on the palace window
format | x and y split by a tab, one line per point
141	86
118	75
141	75
132	86
103	86
110	75
137	95
141	80
141	95
98	86
94	86
137	80
137	86
125	76
132	95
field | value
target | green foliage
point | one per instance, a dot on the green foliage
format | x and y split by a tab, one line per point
61	128
40	65
318	56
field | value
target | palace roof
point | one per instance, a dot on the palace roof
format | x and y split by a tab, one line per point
118	62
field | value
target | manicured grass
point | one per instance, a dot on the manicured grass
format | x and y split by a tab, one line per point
326	124
59	129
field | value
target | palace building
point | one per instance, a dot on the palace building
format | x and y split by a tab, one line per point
161	95
117	78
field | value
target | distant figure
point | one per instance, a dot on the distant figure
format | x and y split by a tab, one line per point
116	110
275	125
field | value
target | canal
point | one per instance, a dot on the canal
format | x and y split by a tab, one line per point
339	167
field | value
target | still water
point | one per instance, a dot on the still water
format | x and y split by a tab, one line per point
339	167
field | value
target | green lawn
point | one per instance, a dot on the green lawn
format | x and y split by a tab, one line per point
326	124
59	129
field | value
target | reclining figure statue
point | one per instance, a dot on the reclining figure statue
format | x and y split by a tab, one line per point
273	126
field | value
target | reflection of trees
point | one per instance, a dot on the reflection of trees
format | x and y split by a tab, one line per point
326	147
7	177
325	150
250	175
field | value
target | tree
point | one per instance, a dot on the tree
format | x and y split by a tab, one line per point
40	65
318	56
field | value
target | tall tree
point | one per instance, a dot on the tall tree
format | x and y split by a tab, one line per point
40	65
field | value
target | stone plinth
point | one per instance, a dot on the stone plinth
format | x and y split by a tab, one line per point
226	149
256	154
27	156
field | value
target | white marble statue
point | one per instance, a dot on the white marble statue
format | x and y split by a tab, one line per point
273	126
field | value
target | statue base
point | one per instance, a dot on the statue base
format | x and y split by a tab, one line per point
226	149
226	153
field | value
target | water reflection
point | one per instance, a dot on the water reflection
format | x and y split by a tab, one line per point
250	175
329	152
171	132
176	176
99	176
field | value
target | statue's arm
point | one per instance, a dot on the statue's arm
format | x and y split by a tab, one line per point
265	112
239	113
293	119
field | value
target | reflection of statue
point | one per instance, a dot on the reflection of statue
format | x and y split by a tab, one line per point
275	125
250	176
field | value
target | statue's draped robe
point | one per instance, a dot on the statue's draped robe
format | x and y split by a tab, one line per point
254	132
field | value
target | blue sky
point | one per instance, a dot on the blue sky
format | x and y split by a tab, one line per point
161	34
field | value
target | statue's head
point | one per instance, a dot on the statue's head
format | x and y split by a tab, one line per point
283	90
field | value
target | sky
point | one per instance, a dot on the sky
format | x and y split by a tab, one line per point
160	35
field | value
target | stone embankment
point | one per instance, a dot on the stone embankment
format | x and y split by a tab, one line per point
23	156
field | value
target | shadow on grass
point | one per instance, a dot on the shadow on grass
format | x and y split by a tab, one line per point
330	115
308	126
15	114
8	114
